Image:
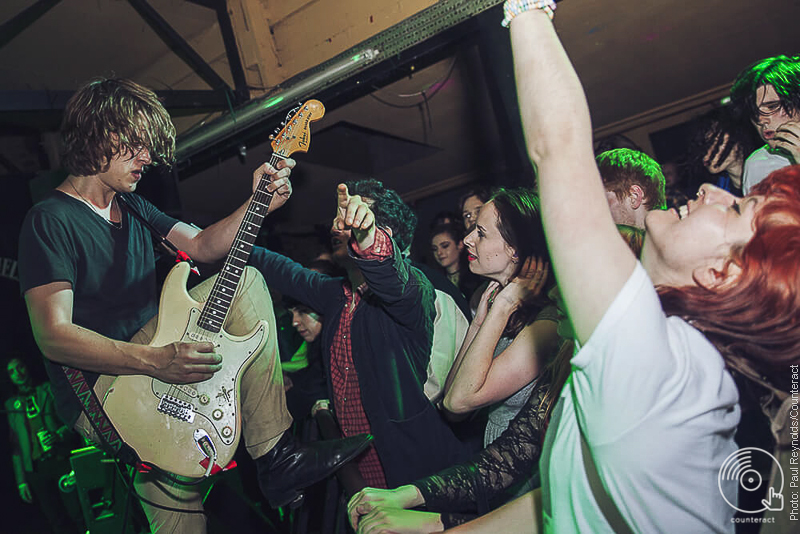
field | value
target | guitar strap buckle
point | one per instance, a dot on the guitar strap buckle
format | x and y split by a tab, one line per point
182	256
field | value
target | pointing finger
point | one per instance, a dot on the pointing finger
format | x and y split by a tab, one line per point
343	196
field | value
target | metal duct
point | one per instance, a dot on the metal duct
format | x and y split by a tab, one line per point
415	29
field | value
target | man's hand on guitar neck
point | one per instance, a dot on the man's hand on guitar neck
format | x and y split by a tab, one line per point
184	363
280	186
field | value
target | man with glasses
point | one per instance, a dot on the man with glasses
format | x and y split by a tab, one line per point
769	93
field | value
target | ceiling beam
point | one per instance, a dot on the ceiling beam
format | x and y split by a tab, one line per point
178	45
210	4
232	51
24	19
27	101
386	47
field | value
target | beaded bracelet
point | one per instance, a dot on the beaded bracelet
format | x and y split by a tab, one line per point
512	8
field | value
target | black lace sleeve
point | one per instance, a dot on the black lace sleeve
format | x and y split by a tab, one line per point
496	472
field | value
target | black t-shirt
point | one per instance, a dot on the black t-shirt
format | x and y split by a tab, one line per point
111	270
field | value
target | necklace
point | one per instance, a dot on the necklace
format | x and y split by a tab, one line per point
94	208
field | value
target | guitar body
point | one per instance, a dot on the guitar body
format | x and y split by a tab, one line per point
178	426
189	429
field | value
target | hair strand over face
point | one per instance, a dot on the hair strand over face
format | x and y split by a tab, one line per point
781	72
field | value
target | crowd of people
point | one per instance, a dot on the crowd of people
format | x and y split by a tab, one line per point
571	358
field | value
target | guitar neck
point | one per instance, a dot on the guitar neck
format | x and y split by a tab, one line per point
219	301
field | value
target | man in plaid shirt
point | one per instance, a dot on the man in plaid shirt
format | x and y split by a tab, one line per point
376	334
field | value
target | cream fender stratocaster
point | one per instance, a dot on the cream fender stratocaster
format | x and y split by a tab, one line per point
188	429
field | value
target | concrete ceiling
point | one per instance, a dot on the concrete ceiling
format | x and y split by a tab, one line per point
640	62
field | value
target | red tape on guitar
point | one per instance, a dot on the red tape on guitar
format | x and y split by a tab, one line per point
216	469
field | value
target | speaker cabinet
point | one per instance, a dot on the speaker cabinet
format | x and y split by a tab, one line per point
101	493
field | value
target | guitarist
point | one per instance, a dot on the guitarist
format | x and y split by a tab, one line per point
88	277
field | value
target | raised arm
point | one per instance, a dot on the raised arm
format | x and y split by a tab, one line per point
580	231
407	296
63	342
353	213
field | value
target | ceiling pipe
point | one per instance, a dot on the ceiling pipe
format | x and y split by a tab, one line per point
208	134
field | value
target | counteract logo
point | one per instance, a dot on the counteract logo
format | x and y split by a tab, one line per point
739	467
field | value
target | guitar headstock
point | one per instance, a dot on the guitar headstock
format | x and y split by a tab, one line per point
295	136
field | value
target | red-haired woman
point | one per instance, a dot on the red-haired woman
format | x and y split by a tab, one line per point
645	422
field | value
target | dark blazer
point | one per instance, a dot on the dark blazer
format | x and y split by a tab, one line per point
391	337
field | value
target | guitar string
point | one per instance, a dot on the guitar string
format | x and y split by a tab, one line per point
260	198
218	292
197	332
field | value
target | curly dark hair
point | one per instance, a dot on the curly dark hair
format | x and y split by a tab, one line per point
389	209
707	137
107	117
781	72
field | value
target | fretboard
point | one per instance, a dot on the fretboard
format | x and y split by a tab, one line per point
219	301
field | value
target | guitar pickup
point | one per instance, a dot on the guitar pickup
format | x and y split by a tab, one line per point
176	408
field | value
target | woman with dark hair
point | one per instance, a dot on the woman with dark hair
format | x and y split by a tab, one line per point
453	496
645	422
513	333
448	250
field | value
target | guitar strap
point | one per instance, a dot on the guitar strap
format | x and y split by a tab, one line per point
161	238
91	405
110	439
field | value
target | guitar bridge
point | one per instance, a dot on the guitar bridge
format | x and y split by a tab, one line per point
176	408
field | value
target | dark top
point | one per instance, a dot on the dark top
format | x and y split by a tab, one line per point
111	270
392	330
442	283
